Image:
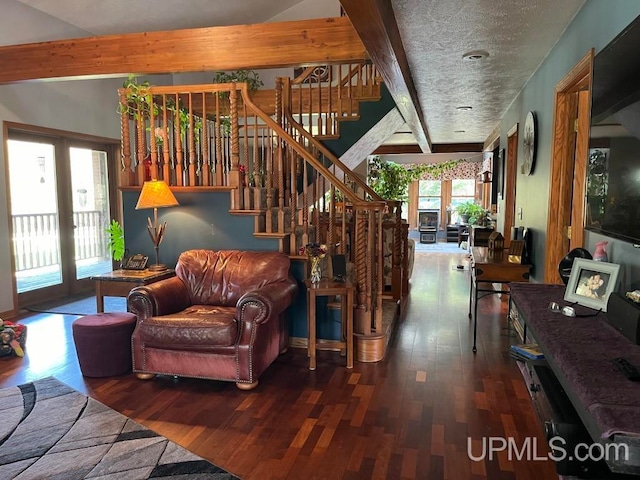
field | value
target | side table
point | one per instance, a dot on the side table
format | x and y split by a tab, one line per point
327	288
120	282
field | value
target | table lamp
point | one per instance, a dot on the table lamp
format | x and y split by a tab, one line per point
156	194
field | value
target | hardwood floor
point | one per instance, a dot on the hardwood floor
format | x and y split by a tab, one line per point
408	416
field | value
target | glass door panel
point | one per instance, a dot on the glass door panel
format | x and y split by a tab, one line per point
91	216
34	214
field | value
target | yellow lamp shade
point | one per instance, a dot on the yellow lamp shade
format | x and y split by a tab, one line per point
156	194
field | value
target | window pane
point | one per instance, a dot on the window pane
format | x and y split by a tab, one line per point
463	187
429	203
429	188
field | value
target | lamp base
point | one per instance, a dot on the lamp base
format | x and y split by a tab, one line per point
158	267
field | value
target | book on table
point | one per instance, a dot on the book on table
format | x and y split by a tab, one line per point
528	350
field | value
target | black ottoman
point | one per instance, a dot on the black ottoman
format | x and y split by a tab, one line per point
103	343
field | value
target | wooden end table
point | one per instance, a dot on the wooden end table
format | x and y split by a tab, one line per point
119	283
327	288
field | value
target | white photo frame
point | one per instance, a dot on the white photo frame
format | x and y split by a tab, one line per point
591	283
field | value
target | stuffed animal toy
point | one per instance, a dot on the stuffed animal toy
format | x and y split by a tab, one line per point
12	338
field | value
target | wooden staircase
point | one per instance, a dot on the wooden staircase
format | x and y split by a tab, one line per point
265	149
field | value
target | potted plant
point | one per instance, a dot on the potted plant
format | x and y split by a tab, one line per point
472	213
115	241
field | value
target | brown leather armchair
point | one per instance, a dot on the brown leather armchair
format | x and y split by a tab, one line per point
222	317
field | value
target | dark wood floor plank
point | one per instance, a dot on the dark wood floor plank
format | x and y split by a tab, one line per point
406	417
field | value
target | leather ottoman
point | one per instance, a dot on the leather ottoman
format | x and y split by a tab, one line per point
103	343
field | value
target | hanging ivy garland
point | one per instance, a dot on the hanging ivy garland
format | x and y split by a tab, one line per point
390	180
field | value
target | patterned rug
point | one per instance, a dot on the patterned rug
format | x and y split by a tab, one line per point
51	431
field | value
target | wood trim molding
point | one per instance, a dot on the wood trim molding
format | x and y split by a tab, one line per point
257	46
376	25
568	166
511	183
492	140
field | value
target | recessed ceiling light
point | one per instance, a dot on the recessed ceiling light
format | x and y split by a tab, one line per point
475	55
464	108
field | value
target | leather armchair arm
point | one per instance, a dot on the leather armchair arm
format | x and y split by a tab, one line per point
267	302
160	298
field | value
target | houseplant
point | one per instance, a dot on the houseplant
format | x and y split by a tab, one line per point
115	240
472	213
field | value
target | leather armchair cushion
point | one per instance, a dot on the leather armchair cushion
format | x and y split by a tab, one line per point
199	327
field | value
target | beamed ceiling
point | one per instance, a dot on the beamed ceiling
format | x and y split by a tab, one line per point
418	46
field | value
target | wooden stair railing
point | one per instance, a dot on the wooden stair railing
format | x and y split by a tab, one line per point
215	137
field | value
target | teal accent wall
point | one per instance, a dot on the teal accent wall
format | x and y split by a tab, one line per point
202	220
352	131
594	26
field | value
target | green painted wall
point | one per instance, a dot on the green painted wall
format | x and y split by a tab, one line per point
595	25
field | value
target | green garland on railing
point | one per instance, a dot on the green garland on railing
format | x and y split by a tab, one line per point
390	180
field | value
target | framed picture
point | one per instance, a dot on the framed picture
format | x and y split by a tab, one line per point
591	283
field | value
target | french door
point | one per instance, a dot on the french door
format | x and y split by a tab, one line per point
60	205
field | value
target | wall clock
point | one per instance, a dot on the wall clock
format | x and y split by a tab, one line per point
529	144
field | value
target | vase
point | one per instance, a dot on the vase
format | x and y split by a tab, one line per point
600	254
315	274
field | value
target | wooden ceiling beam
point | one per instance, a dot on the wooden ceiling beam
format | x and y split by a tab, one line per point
258	46
376	25
403	149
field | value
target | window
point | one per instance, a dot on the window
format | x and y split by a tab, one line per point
429	195
461	191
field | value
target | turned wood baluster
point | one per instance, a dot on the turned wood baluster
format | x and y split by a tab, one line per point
126	173
371	247
305	203
269	182
178	143
192	144
362	318
234	173
218	133
379	261
153	141
396	275
205	167
331	234
279	102
405	260
142	150
293	201
166	158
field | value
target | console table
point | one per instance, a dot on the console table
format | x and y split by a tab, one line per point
579	350
488	268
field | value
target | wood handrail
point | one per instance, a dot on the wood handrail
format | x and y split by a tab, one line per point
373	205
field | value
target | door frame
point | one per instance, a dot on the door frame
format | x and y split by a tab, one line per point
62	141
567	175
511	183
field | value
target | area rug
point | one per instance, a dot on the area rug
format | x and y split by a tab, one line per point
51	431
81	306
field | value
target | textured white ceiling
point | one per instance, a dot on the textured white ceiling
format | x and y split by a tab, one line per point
436	33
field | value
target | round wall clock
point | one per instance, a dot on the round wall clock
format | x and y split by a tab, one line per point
529	144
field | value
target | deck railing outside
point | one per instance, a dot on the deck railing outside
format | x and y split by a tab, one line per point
36	238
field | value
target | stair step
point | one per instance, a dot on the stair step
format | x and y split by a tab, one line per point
271	235
246	212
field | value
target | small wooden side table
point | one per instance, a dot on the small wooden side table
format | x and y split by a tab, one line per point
120	282
326	288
